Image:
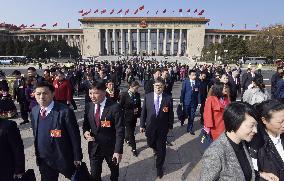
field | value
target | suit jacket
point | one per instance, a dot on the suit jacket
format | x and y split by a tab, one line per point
274	79
220	162
66	149
12	157
165	119
169	83
279	94
189	95
19	90
247	79
148	86
109	139
128	104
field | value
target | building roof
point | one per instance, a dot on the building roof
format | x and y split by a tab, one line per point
147	19
47	31
218	31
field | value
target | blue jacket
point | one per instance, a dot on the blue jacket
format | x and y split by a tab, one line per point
280	89
190	95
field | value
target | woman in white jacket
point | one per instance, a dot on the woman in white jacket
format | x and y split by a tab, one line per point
257	93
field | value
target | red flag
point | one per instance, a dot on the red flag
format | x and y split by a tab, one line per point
157	11
127	11
180	10
141	8
22	26
103	11
120	11
188	11
201	12
112	11
97	10
148	12
32	25
43	25
165	10
54	24
245	26
195	11
89	11
233	25
136	11
81	11
257	24
84	14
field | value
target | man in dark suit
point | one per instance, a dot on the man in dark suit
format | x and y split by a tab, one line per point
31	72
12	157
189	98
248	76
168	81
57	135
148	85
274	79
19	95
103	128
202	93
157	119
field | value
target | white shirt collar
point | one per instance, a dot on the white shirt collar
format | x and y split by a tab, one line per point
49	107
275	140
102	104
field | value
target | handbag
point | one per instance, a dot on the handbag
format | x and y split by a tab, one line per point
29	175
81	173
180	113
205	140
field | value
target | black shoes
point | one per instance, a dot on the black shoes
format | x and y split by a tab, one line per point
135	153
160	173
24	122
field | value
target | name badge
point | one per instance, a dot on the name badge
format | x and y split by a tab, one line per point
56	133
105	124
165	109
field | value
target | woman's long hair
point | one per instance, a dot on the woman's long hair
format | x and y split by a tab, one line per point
259	83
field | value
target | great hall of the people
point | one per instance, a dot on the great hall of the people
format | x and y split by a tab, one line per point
172	36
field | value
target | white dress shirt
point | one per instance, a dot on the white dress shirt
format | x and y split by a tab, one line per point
102	106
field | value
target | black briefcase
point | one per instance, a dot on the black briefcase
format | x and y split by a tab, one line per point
205	140
81	173
180	113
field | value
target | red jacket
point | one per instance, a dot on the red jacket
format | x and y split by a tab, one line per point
213	115
62	90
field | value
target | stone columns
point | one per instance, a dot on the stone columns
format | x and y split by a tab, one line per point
106	45
179	42
129	42
165	42
138	42
114	42
157	49
172	42
149	42
122	51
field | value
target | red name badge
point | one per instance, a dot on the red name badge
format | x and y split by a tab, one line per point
56	133
105	124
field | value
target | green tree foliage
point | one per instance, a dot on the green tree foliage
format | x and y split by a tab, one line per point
35	49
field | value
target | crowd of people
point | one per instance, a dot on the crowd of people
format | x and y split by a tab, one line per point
247	134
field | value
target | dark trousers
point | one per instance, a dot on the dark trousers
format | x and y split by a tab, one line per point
24	110
73	103
129	133
47	173
157	141
202	112
96	161
190	114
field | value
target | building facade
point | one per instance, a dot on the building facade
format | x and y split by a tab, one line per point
172	36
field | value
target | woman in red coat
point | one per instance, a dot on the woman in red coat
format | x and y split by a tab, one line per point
213	110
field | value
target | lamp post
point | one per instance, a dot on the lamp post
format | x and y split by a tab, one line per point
216	55
59	53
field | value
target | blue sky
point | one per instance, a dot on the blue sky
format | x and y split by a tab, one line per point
239	12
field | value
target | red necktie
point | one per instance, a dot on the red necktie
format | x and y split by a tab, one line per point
97	116
43	112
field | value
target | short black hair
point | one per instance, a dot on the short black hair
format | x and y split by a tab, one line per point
159	80
217	89
16	72
134	83
191	71
156	70
47	70
32	69
266	108
100	85
45	84
234	115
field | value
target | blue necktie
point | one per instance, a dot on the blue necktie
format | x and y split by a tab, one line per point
157	105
